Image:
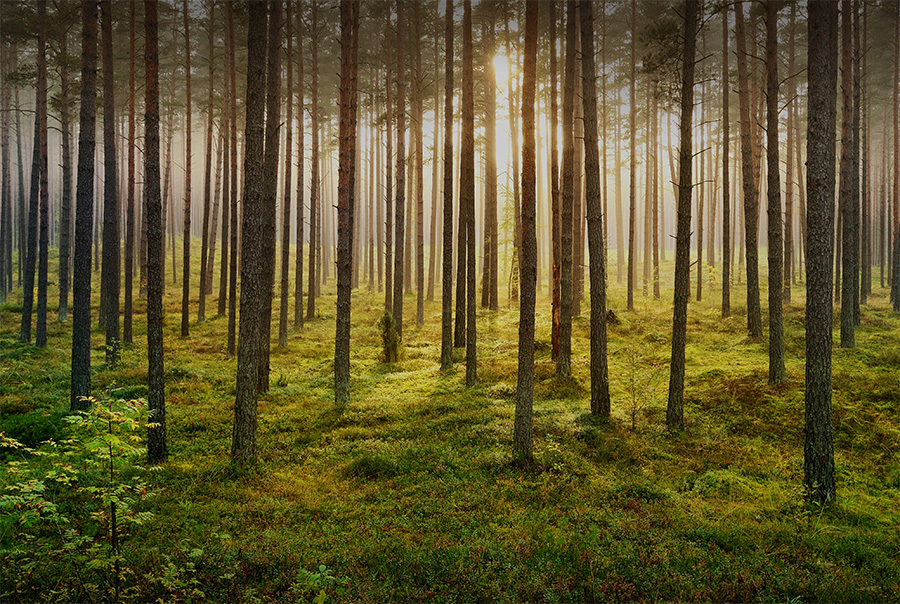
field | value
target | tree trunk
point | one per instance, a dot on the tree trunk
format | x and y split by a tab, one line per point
726	175
399	218
129	212
675	407
773	193
447	251
207	172
40	338
84	210
523	446
563	367
389	176
286	203
564	358
314	240
845	202
490	282
514	135
751	192
233	170
243	441
467	190
157	450
346	190
186	255
65	231
32	235
822	73
787	279
632	190
420	201
270	191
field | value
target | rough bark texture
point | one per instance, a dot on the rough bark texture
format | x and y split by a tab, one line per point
243	441
40	336
207	173
346	191
726	175
632	191
110	268
490	281
750	190
467	190
600	404
157	450
420	161
555	210
822	70
314	170
400	209
65	212
84	211
301	118
564	358
129	213
286	200
675	407
447	251
31	236
186	232
523	446
773	193
845	201
233	162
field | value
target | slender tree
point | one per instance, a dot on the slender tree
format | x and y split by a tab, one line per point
40	338
447	251
632	191
420	201
346	191
314	186
564	358
555	210
157	450
726	173
232	110
523	445
65	210
773	193
301	118
490	283
207	168
399	218
845	201
467	190
111	223
84	209
188	159
286	202
822	70
675	408
31	235
243	440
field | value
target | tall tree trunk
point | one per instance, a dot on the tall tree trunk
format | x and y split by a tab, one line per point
675	407
243	440
346	190
32	235
400	206
233	170
447	251
632	190
751	192
726	174
129	213
490	281
855	179
865	286
773	193
84	211
600	403
40	338
514	136
286	203
207	172
822	72
65	231
314	240
6	232
845	202
389	176
564	358
523	445
654	188
787	279
555	211
157	450
895	206
467	190
420	160
270	191
111	261
186	254
301	117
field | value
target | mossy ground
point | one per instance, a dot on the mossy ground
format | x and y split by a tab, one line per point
409	492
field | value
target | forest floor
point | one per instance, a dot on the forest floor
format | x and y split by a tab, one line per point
409	492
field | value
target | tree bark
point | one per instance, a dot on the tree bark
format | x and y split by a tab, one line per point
632	190
726	174
555	210
314	239
564	358
400	206
233	170
822	72
675	407
467	190
301	118
186	234
157	449
65	231
40	338
845	201
773	193
207	172
420	161
286	202
523	445
447	251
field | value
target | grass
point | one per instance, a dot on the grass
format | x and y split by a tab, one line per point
410	493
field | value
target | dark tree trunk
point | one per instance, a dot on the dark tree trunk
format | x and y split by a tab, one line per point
32	235
270	191
600	403
233	163
40	338
751	191
389	176
787	278
65	219
632	191
447	251
420	160
186	233
514	135
298	268
6	231
314	239
555	212
845	202
564	358
286	203
822	72
895	206
467	190
675	408
207	171
129	213
773	193
726	174
435	154
523	445
84	210
855	179
346	191
490	281
157	451
110	268
400	218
